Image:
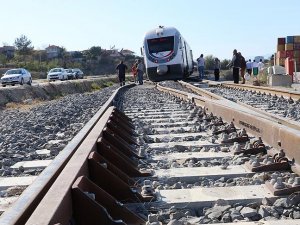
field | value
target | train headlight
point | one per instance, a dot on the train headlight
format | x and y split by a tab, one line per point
162	69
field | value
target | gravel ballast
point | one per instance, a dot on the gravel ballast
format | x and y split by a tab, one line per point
141	99
46	126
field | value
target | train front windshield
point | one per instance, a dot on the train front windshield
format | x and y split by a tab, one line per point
162	44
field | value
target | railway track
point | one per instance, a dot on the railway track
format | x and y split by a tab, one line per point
164	156
279	104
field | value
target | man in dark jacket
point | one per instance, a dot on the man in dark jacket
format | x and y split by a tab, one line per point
236	65
243	66
121	72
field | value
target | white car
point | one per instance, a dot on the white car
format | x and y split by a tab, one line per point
71	74
57	74
16	76
78	73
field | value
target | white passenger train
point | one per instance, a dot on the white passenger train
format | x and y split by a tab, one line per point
167	55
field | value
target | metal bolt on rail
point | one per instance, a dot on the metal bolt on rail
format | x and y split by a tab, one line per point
280	187
296	182
274	179
292	178
279	183
226	129
247	145
224	138
240	138
255	163
238	147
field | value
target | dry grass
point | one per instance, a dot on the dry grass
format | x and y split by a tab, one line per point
260	80
24	106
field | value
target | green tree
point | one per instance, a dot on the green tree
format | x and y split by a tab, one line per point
209	62
63	55
3	60
77	55
94	52
224	64
23	45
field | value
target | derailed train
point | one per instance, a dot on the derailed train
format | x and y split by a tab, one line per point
167	55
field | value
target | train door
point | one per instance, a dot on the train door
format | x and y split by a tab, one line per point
192	62
186	66
181	49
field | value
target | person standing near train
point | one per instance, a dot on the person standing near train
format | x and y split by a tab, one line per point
140	71
255	69
261	67
243	67
201	64
217	66
134	71
235	64
249	67
121	68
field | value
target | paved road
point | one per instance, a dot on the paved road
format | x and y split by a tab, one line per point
45	81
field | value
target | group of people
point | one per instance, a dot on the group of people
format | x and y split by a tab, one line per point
137	71
201	65
239	66
256	67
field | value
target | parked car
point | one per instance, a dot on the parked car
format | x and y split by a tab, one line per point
79	73
57	74
16	76
71	74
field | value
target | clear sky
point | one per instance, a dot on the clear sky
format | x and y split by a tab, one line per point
210	27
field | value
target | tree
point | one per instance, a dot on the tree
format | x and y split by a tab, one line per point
94	52
3	60
224	64
23	45
77	55
209	62
63	55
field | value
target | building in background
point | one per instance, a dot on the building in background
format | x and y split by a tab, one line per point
53	51
8	51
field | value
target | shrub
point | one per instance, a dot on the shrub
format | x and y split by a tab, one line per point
226	74
95	86
108	84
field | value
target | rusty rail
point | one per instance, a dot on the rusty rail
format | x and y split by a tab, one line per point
268	90
30	198
97	180
201	91
273	133
209	95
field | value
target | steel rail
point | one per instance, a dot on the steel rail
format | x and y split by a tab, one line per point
280	120
59	193
274	134
33	194
93	168
268	90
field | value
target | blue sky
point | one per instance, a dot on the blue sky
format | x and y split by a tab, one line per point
210	27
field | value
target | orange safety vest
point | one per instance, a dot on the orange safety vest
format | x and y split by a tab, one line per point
134	70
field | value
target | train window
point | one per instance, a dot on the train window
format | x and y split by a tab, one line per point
162	44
